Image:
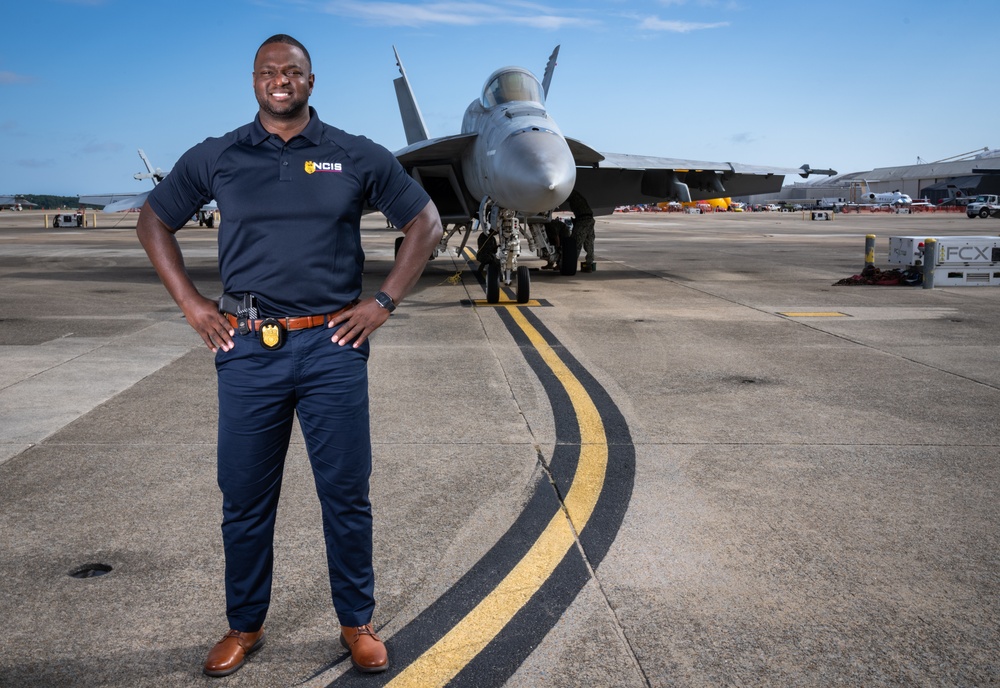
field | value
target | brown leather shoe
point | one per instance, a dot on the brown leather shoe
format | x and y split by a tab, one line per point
229	653
368	653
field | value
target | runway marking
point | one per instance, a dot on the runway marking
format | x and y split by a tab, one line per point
480	631
469	636
505	302
507	295
820	314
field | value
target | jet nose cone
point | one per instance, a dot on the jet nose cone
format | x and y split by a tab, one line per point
533	171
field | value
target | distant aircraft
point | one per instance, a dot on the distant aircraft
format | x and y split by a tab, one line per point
511	167
893	198
956	197
117	202
15	202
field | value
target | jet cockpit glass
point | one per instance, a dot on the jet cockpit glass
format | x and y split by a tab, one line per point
513	85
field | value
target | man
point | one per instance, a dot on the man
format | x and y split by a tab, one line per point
291	191
583	229
555	230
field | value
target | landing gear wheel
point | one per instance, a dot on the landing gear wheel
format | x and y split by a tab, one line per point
567	260
210	222
523	284
481	239
492	283
399	242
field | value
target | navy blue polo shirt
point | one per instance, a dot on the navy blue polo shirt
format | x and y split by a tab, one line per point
290	228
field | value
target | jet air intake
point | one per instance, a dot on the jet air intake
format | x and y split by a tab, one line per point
532	170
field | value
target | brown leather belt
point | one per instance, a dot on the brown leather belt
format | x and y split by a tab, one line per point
302	323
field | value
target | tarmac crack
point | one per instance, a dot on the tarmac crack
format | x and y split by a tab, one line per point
56	365
592	573
545	467
809	326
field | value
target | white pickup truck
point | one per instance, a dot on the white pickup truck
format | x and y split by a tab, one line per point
983	205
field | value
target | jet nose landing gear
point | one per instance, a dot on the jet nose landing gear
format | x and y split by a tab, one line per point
495	275
499	248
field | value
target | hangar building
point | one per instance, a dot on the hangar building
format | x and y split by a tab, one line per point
971	175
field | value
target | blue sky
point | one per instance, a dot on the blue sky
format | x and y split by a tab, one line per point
843	84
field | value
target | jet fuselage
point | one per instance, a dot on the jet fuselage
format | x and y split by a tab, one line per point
890	198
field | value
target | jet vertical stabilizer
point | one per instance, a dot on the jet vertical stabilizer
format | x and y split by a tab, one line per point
550	67
413	121
156	175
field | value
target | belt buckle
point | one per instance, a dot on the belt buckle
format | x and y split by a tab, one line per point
271	333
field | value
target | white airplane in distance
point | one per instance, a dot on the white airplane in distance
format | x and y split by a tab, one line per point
117	202
893	198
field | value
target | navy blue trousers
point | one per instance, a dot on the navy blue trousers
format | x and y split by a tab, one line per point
260	391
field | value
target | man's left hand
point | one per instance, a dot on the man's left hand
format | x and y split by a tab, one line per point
357	324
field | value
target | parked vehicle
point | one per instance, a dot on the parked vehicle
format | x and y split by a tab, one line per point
984	205
68	220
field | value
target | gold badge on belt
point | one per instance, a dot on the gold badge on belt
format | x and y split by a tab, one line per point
272	334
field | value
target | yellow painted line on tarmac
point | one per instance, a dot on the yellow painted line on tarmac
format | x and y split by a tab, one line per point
831	314
442	662
504	301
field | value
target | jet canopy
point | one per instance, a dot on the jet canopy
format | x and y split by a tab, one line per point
512	84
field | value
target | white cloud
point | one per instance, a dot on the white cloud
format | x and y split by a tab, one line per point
454	14
657	24
12	78
35	163
110	147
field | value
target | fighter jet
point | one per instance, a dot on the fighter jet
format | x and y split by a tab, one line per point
510	168
16	202
117	202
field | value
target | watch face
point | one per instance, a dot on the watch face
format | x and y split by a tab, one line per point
385	301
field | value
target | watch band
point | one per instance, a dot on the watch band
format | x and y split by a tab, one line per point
384	300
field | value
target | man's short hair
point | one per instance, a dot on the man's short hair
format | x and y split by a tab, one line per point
287	40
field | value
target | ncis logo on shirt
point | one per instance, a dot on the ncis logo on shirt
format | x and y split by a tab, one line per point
322	167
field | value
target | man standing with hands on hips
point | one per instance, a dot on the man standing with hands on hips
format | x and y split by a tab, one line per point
290	334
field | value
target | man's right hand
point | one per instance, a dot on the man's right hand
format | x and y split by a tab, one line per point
204	316
165	254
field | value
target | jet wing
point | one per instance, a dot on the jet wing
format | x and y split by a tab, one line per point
608	180
116	202
447	149
16	200
436	164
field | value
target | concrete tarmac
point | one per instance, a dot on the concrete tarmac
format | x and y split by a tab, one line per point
808	499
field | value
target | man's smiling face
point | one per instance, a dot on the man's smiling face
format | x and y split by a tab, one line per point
282	80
